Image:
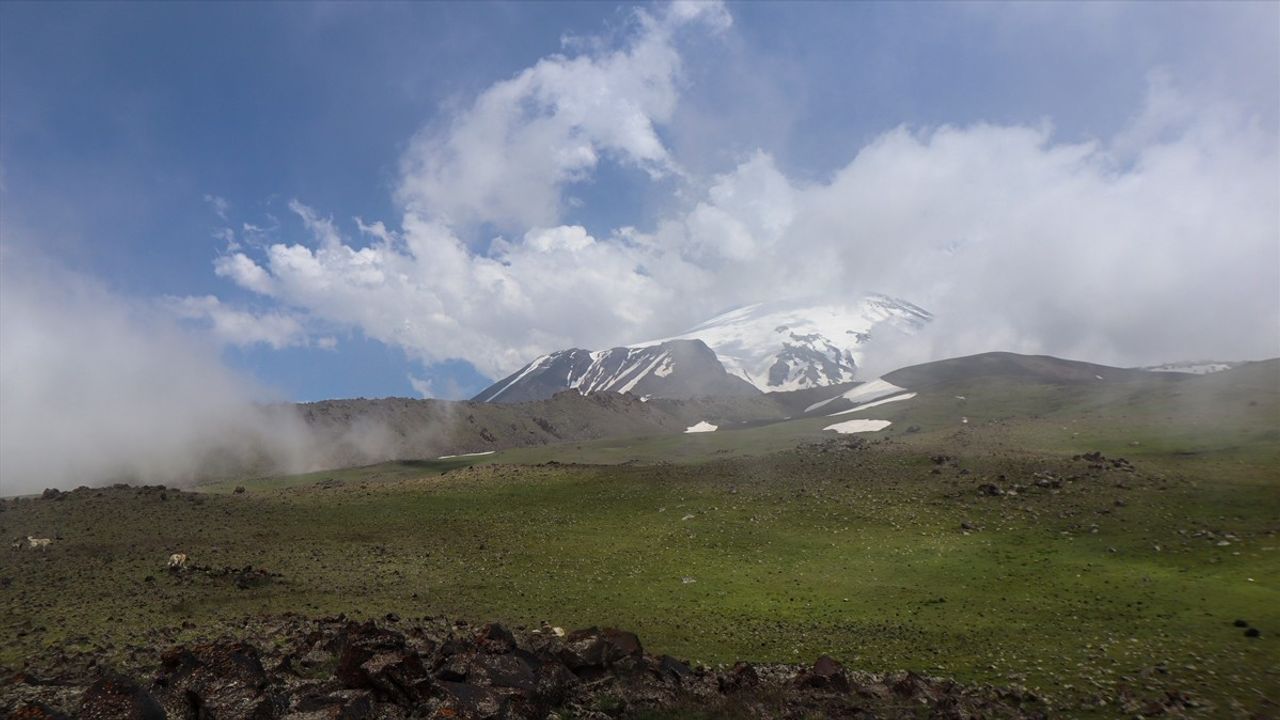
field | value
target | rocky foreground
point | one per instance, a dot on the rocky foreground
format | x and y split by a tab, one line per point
334	668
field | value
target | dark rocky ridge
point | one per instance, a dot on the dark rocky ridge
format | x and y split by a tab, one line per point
300	668
673	369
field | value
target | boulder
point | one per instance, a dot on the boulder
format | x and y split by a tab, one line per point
116	697
596	649
826	673
379	660
470	702
669	667
495	638
218	680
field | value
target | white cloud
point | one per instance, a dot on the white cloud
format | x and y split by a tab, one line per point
422	387
240	327
505	158
1160	243
238	268
219	204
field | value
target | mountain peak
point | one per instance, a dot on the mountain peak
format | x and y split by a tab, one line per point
799	344
679	367
763	347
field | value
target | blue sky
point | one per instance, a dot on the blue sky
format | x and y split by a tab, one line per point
143	144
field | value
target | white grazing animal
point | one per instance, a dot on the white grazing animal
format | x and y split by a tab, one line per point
178	561
35	542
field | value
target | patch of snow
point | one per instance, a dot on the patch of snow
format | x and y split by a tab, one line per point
1199	367
627	388
666	368
703	426
528	369
859	426
875	403
749	340
475	454
866	392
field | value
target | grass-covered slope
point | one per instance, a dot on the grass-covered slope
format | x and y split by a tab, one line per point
983	550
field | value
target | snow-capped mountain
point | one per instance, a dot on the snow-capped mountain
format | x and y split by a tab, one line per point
797	345
678	368
764	347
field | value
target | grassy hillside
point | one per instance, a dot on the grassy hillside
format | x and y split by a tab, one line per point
983	550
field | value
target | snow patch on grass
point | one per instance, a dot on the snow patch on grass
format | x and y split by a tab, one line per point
875	403
858	426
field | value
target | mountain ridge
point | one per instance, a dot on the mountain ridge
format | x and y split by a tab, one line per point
764	347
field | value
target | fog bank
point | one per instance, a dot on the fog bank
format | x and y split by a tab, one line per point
95	387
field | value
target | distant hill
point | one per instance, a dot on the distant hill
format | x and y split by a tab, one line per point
361	431
987	368
1000	384
1042	368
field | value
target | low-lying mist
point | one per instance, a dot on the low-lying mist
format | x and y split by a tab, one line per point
97	388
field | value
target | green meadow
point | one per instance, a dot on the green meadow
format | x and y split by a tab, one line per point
1090	585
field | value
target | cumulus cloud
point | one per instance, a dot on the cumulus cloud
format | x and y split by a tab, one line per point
235	326
504	159
1160	243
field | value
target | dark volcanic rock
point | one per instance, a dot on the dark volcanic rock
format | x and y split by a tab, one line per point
116	697
217	680
471	702
37	711
673	668
495	638
826	673
379	660
334	669
596	649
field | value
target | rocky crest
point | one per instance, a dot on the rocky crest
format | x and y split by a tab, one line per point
305	669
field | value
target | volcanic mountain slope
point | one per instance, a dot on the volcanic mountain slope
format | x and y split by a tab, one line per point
796	345
768	347
1047	401
988	370
1042	368
678	368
